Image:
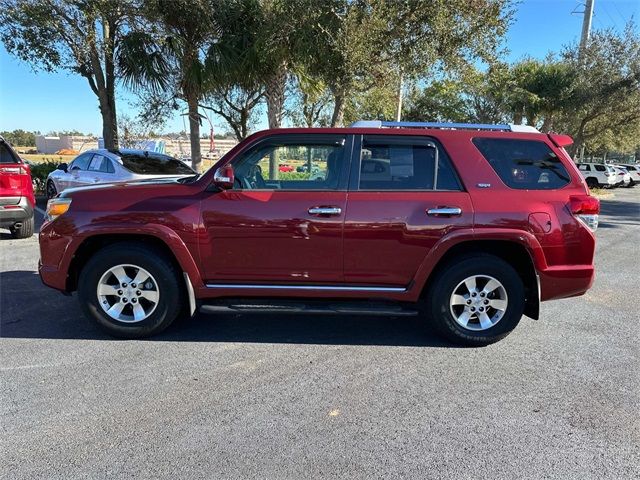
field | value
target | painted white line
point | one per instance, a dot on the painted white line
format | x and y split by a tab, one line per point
40	211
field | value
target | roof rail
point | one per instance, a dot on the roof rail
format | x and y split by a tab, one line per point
444	125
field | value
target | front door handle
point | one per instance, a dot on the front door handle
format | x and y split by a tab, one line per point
444	211
329	211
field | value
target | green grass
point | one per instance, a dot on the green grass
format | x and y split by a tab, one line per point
43	158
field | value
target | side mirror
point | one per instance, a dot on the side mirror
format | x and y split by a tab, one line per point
224	177
63	167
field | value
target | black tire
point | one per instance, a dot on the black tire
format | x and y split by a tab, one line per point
167	277
25	230
51	189
447	279
592	182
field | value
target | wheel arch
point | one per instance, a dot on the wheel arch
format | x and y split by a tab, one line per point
513	252
176	252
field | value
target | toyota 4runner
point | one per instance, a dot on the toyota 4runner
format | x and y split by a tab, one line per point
469	226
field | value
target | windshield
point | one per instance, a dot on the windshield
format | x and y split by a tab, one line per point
154	164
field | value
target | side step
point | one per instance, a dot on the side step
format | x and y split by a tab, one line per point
320	307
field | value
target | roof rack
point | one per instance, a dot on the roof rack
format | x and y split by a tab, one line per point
444	125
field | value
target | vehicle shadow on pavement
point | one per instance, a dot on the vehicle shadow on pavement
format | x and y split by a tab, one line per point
618	213
28	309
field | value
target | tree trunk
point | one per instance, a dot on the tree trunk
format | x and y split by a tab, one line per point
194	132
337	119
109	123
275	95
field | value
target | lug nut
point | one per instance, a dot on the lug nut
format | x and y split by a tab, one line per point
134	300
486	302
474	294
482	294
138	293
473	309
481	309
125	300
124	285
133	285
119	292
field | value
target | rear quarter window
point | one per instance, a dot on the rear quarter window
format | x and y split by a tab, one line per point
524	164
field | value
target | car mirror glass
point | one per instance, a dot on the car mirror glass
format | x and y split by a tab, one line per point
63	166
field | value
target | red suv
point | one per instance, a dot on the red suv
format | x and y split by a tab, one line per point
470	226
16	193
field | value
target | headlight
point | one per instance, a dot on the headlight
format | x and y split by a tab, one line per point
56	207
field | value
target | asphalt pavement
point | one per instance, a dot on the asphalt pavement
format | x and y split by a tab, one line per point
267	396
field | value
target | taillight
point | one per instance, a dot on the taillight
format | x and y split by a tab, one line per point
14	169
586	209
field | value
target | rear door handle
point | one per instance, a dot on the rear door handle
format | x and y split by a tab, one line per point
330	211
444	211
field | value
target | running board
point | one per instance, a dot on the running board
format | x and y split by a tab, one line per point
326	308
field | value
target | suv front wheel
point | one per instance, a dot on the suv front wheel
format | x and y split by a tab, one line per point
477	300
130	290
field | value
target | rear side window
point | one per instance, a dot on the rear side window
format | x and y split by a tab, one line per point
524	164
5	155
154	164
404	166
600	168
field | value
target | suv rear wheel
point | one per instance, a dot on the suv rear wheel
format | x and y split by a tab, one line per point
477	300
130	290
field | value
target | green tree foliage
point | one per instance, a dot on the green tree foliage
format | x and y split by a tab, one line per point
166	58
354	45
20	138
74	35
604	112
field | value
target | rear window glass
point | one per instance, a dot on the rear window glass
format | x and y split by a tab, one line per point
154	164
5	155
524	164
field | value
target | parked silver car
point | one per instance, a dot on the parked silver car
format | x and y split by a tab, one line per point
114	166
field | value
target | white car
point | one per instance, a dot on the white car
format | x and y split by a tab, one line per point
634	173
598	175
624	179
114	166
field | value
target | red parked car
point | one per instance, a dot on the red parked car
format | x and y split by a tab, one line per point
285	168
16	193
469	226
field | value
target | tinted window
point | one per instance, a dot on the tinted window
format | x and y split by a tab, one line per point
600	168
153	164
81	162
586	168
410	166
524	164
5	155
299	166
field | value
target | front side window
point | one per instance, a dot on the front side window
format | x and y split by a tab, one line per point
404	165
81	162
295	166
524	164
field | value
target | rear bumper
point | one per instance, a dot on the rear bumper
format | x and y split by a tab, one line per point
566	281
16	212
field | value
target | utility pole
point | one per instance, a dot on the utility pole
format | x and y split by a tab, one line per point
586	25
399	98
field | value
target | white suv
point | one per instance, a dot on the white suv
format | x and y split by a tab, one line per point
598	175
634	173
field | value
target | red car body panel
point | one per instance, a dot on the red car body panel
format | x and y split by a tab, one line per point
235	240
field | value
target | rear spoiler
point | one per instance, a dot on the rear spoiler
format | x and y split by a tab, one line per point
560	141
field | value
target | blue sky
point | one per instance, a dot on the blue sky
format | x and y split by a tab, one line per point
59	101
